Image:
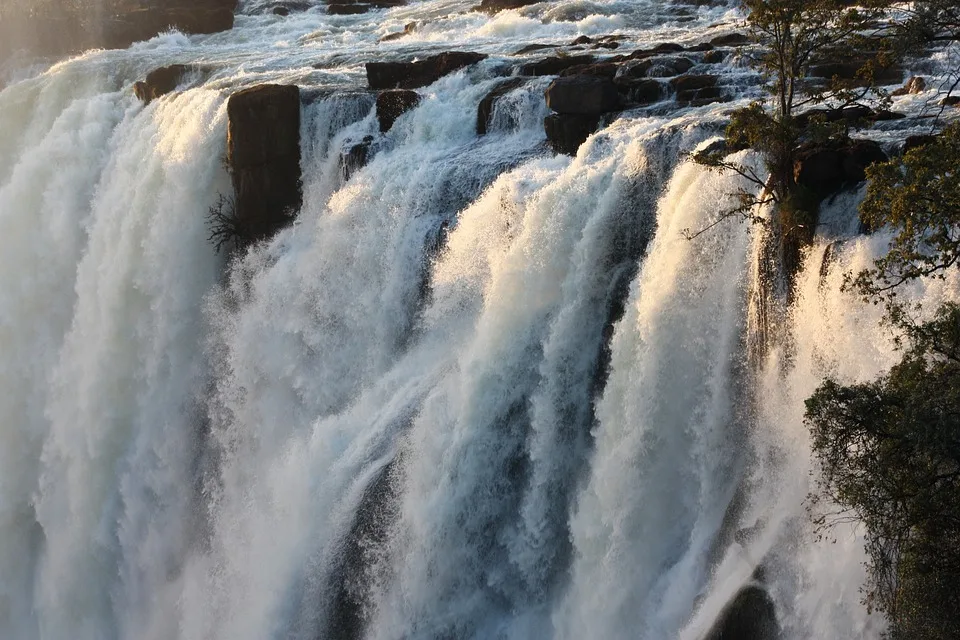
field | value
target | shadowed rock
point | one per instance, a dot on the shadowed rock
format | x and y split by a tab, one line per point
263	153
160	82
392	104
420	73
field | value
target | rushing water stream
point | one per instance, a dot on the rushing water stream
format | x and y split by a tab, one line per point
547	429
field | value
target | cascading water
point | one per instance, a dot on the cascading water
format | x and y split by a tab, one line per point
476	390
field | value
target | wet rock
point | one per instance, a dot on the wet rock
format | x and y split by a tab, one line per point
281	11
355	7
915	142
408	29
602	70
661	67
355	157
731	40
715	56
131	21
489	102
916	84
582	95
412	75
530	48
554	65
751	616
392	104
950	101
697	90
824	170
566	132
496	6
640	92
159	82
263	153
854	115
668	47
849	70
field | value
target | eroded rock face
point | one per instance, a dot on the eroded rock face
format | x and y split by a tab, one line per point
566	132
392	104
263	153
108	24
495	6
487	105
160	82
826	169
582	95
751	616
420	73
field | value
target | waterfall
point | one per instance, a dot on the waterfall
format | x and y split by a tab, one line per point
476	390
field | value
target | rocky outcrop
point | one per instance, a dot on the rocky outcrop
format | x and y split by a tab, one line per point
566	132
392	104
554	65
420	73
355	157
751	616
582	95
495	6
916	84
823	170
108	24
487	105
355	7
697	90
408	29
263	154
160	82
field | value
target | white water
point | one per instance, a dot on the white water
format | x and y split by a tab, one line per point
184	450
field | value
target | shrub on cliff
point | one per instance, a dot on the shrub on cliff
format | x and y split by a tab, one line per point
890	450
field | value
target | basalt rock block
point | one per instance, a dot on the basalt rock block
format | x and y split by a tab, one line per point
392	104
263	153
554	65
582	95
750	616
824	170
160	82
566	132
496	6
419	73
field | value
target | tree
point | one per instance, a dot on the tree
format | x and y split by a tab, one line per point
890	457
890	450
793	36
918	196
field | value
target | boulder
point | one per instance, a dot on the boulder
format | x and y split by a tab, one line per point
355	157
530	48
917	141
566	132
696	90
715	56
603	70
159	82
582	95
661	67
554	65
409	28
70	28
950	101
731	40
489	101
640	91
916	84
392	104
263	154
420	73
495	6
750	616
826	169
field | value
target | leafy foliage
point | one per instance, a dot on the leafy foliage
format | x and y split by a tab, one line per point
890	457
918	196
